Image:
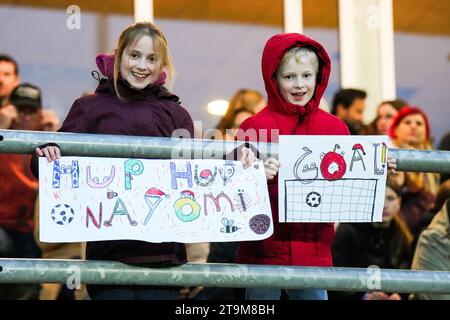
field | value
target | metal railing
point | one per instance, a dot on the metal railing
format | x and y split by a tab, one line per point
224	275
209	275
121	146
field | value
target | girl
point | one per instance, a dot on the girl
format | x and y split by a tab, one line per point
132	100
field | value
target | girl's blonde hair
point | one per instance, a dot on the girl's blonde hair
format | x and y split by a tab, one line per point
301	55
131	35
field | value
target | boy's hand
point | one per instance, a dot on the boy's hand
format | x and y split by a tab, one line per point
391	162
248	157
271	166
51	153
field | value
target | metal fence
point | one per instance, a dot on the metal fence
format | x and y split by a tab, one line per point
120	146
209	275
224	275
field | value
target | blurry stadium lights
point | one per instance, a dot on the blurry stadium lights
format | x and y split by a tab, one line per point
217	107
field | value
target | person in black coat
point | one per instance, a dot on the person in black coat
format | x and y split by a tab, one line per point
376	245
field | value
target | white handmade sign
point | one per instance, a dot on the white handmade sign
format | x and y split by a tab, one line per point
89	199
332	178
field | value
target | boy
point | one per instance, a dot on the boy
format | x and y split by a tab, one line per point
296	70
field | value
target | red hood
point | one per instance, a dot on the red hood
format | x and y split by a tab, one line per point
274	51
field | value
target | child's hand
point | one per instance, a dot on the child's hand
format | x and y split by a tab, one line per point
190	293
378	295
248	157
271	167
391	165
51	153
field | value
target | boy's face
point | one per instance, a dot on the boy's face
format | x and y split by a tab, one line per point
297	81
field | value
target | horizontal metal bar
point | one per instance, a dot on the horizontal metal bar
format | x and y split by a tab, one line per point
422	160
224	275
122	146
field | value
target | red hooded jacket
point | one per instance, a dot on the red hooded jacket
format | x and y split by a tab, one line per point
302	244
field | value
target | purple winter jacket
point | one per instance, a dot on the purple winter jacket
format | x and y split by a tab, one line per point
153	111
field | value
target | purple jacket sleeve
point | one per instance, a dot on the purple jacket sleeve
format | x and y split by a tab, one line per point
74	122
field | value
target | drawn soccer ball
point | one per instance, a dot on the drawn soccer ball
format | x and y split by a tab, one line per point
313	199
62	214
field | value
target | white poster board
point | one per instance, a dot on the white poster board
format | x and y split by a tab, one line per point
90	199
332	178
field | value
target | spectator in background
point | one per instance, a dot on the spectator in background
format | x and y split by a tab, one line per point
26	99
348	105
50	121
385	245
245	102
410	129
18	190
445	146
9	79
56	291
433	248
7	114
386	113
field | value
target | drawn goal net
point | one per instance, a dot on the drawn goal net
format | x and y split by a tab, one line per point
320	200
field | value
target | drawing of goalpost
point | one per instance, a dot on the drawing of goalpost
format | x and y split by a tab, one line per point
343	200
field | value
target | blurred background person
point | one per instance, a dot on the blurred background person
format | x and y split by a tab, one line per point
56	291
385	244
410	129
18	192
386	112
444	145
433	247
243	104
348	105
7	114
50	121
9	79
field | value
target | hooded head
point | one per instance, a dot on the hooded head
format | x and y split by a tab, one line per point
274	51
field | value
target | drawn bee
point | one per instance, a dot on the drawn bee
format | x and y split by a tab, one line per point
228	226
